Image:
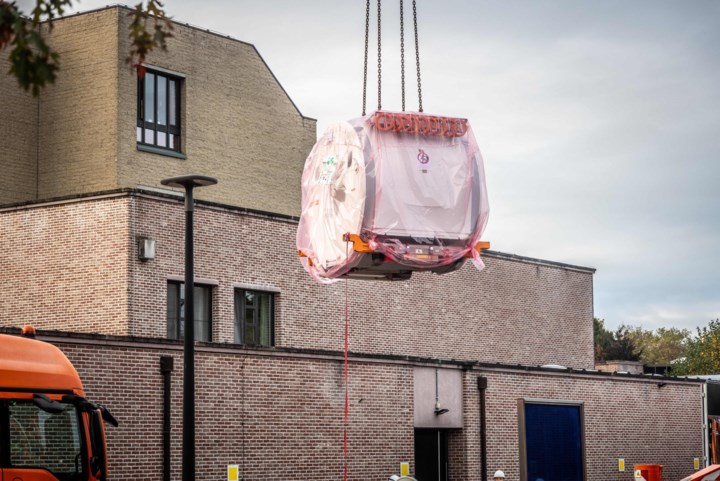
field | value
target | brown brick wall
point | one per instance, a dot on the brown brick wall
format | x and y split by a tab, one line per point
513	312
630	419
278	418
281	417
18	134
64	266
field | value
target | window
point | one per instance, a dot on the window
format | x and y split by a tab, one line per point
39	439
158	113
551	440
176	311
254	317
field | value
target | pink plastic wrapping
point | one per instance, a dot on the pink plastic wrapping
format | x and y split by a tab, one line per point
411	185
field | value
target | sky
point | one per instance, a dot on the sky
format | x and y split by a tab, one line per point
599	122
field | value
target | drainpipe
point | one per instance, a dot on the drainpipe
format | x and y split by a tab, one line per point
166	368
482	383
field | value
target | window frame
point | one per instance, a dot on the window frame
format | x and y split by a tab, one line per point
239	324
156	127
522	438
7	461
179	308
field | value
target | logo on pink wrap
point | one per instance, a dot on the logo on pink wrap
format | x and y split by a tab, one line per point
422	157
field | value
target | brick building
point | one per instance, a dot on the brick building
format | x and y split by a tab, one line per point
83	164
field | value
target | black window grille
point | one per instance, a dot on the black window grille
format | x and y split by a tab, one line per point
158	110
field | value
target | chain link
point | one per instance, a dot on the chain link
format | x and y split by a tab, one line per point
379	59
402	55
367	30
417	57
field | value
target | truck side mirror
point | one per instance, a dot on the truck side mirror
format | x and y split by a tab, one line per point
107	416
98	458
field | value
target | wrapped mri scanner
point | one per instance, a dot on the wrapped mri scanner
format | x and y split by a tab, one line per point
391	193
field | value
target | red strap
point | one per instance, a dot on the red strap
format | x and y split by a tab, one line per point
347	397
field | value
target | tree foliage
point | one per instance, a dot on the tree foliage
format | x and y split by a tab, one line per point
702	353
35	64
614	346
603	338
661	346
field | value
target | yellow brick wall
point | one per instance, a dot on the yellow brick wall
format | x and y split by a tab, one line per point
18	131
238	124
78	114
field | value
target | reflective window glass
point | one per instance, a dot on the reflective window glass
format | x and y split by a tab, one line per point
158	118
149	97
254	317
162	101
176	311
41	439
172	103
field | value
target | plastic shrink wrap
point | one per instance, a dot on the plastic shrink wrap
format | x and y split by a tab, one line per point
391	193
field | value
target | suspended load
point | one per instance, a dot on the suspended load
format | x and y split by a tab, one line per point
390	193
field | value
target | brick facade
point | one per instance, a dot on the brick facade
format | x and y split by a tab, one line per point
70	267
632	419
279	414
79	135
65	266
19	122
515	311
240	125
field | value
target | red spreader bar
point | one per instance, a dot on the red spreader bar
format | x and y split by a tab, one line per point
419	124
347	374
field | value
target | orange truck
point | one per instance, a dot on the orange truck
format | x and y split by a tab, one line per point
48	430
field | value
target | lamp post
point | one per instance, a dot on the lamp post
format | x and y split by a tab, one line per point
189	182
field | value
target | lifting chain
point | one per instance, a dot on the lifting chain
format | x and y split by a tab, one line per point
367	29
417	57
379	55
379	58
402	55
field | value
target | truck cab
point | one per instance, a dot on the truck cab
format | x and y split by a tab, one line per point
48	430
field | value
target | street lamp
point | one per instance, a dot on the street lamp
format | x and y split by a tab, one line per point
189	182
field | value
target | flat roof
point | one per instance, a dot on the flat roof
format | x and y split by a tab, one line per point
173	344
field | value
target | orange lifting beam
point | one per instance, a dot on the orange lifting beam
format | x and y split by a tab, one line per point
360	245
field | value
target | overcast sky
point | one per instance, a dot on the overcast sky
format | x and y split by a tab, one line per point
599	122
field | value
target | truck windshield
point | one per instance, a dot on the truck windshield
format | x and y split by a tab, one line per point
39	439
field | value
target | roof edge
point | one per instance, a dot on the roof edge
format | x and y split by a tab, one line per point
533	260
171	344
177	196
